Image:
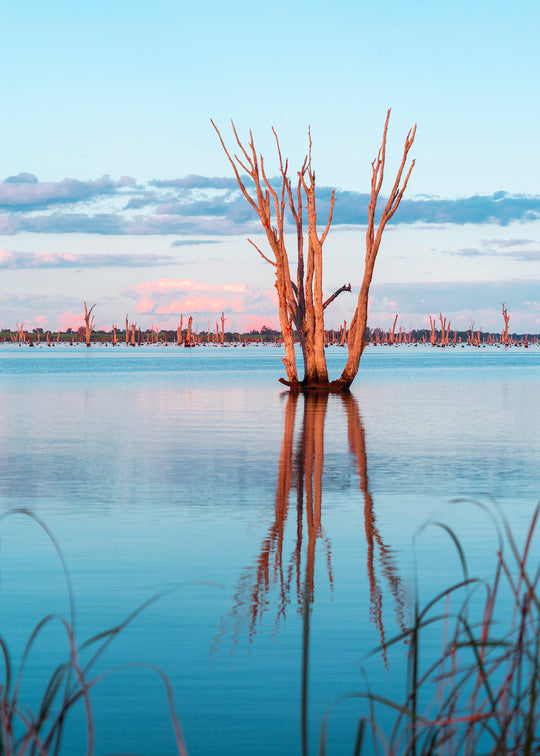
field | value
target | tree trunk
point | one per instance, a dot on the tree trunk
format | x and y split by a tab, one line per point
506	317
343	334
301	302
89	323
357	330
179	332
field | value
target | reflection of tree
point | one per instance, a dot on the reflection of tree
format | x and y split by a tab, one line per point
357	446
301	470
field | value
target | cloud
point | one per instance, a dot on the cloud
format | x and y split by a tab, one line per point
505	242
459	300
22	178
145	305
256	322
25	192
22	307
522	255
196	182
193	242
166	296
70	320
214	206
116	224
42	259
499	209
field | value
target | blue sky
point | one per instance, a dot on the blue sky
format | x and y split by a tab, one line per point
114	188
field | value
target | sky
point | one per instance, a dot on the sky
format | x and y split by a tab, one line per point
115	190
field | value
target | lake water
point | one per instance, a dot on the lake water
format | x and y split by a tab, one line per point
284	528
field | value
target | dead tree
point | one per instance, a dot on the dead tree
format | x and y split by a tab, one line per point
88	323
506	317
301	302
187	342
222	328
433	335
179	331
392	333
445	330
343	333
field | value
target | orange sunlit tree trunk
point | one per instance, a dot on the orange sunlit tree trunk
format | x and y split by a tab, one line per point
301	302
506	317
392	332
445	330
88	323
433	334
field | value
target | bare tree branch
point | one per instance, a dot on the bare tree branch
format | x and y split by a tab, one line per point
261	254
345	287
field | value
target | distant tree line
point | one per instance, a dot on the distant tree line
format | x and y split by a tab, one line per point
133	336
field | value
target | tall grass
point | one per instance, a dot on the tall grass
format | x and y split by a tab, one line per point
40	731
481	694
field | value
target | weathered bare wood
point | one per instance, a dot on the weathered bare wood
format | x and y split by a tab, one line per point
343	334
88	323
179	331
301	303
222	328
357	330
506	318
345	287
392	332
445	330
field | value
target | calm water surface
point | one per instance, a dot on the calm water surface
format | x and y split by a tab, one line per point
284	527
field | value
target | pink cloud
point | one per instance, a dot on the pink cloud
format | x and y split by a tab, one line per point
235	288
166	296
256	322
197	304
161	285
70	320
145	305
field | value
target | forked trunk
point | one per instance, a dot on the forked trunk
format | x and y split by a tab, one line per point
301	301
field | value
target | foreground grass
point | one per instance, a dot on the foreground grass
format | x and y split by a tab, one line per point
481	694
41	731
